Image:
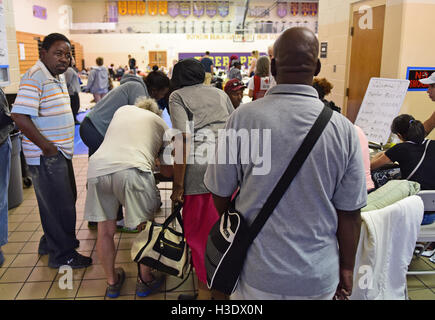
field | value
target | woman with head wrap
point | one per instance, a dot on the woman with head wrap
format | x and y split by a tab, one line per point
198	112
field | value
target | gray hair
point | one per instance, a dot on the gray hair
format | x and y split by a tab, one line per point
148	104
263	67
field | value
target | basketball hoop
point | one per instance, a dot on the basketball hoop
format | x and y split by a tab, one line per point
244	35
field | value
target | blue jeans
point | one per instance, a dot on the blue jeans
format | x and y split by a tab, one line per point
5	160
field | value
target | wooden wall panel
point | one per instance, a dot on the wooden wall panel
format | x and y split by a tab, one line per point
30	47
32	53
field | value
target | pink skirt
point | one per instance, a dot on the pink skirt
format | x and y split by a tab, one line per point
199	216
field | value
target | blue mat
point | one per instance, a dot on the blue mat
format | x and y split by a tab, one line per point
79	146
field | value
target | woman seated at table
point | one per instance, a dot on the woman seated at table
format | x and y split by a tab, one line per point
415	155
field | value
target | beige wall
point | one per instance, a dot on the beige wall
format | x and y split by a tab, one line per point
26	22
114	48
14	69
407	35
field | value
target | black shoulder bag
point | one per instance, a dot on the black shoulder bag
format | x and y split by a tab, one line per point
230	238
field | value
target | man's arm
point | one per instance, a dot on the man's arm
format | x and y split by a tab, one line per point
429	124
349	228
181	144
27	127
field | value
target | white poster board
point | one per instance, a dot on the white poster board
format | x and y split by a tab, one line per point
382	103
4	57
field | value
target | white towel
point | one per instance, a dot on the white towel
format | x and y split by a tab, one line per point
385	249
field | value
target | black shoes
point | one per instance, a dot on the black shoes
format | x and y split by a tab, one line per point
76	261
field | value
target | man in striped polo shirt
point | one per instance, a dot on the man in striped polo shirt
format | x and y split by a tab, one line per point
42	112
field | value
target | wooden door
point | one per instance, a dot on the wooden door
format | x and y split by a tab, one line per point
366	56
157	58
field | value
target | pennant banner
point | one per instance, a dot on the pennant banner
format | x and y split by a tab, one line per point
224	8
122	7
294	8
198	8
211	8
141	7
305	8
185	8
314	9
131	7
163	8
282	9
112	12
173	8
152	7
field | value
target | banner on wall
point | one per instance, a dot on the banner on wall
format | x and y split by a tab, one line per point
224	8
122	8
211	9
314	9
163	8
294	8
40	12
220	59
173	8
112	12
131	7
198	8
141	7
281	9
152	7
185	8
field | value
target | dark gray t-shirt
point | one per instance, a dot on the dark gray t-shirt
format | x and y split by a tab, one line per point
131	88
209	108
296	252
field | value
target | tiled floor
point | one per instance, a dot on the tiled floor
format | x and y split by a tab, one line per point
26	275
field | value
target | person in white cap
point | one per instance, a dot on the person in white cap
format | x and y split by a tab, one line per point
429	124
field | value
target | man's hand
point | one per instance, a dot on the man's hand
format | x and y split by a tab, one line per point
49	150
344	288
177	194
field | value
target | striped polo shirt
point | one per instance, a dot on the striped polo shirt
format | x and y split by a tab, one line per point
46	100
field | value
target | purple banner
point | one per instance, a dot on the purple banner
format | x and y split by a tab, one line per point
221	59
185	8
211	8
173	8
112	12
224	8
198	9
282	9
40	12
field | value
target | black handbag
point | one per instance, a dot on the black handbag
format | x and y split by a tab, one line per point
230	238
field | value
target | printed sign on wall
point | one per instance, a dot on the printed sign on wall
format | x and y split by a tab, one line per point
414	74
40	12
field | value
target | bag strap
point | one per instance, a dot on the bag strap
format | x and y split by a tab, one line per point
174	215
291	171
421	161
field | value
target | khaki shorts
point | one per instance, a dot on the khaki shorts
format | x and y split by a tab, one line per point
135	190
207	79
